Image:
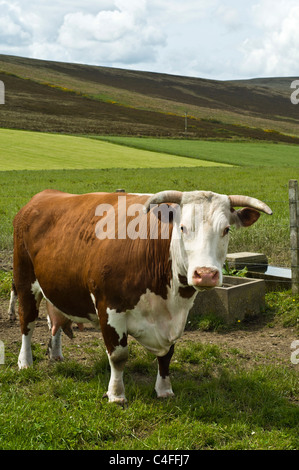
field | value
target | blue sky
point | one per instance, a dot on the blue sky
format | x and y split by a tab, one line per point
202	38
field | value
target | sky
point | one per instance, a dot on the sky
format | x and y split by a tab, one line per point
215	39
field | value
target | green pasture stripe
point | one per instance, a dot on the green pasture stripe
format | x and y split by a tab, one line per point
23	150
233	153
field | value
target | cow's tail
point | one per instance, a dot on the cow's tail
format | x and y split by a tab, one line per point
12	302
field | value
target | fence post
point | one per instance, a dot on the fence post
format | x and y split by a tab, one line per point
294	228
2	353
2	92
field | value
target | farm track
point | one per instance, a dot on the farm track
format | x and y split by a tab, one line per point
255	345
6	260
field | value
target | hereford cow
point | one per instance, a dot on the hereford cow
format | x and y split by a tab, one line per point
101	258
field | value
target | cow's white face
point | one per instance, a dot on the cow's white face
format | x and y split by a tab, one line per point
201	235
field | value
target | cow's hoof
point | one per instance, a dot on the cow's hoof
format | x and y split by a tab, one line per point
121	401
57	359
22	365
169	394
25	362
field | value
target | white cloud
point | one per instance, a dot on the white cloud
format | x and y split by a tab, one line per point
230	17
123	34
13	28
275	49
207	38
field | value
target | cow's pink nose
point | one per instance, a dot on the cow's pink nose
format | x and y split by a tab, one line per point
205	277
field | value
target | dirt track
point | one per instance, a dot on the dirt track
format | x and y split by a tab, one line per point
256	344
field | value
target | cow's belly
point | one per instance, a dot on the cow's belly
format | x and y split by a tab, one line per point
76	306
157	323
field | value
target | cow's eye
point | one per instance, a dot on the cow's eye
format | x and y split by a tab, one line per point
184	229
226	231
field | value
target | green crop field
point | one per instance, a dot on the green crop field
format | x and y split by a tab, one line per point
234	153
21	150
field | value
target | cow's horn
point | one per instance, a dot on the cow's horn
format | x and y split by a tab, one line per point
247	201
163	196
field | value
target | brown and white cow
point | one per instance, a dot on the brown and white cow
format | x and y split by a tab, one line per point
98	257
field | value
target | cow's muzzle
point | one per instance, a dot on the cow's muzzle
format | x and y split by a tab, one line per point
205	277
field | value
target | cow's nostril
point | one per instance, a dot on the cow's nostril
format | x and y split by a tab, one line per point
206	277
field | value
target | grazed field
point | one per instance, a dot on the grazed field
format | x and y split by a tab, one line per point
245	154
39	151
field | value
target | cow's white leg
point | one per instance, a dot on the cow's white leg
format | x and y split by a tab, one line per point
12	305
25	359
116	388
163	384
114	330
55	346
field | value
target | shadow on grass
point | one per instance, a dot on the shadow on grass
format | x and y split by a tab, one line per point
207	386
217	403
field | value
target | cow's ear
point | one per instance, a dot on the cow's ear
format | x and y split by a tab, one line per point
166	213
245	217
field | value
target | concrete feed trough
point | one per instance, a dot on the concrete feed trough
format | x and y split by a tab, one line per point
236	299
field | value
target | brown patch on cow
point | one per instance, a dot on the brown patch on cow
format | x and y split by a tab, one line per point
164	363
183	280
111	338
129	267
55	242
186	292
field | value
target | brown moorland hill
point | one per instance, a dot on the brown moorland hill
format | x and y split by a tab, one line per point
75	98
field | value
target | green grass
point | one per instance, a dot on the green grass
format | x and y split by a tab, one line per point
219	404
233	153
284	307
5	284
21	150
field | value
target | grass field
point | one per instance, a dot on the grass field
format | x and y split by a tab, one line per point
21	150
234	153
220	403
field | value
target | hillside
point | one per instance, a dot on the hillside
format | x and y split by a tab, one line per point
74	98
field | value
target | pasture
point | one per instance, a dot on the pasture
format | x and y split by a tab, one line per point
246	153
235	387
21	150
229	394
